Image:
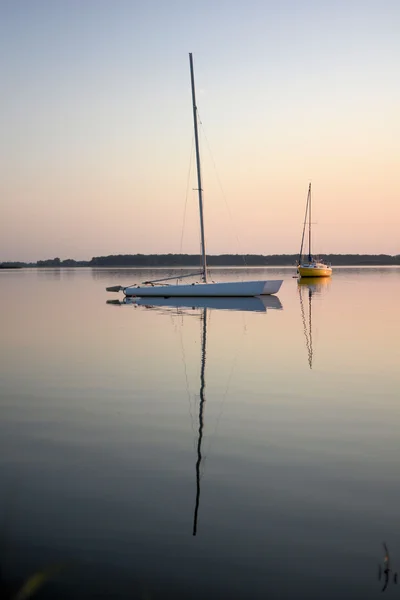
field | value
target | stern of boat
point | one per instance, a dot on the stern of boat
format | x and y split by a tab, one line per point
272	287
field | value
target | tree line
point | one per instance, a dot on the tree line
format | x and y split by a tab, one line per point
225	260
221	260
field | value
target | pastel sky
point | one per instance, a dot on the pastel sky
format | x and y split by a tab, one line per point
96	126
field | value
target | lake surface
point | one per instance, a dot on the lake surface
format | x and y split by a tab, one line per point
273	434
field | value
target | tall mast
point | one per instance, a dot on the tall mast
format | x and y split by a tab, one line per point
309	224
200	190
304	226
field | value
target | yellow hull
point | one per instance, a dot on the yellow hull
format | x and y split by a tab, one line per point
314	271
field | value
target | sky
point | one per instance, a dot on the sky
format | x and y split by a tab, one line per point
96	145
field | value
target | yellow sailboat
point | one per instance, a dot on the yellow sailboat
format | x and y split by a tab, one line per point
310	266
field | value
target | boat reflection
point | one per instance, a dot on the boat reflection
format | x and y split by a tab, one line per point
205	305
253	304
387	569
307	288
316	285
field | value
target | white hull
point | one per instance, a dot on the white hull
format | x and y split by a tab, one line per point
236	288
252	303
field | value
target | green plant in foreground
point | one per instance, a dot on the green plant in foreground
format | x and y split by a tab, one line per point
31	585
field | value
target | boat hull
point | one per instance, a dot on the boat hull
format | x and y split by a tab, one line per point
236	288
314	271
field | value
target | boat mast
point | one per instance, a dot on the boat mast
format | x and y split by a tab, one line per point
199	188
309	224
304	225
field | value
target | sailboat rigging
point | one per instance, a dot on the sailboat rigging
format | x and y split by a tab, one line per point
199	188
203	288
310	266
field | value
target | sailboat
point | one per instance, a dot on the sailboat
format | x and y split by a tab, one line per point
310	266
204	287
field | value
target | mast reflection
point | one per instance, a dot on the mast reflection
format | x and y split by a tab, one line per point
186	306
313	285
201	416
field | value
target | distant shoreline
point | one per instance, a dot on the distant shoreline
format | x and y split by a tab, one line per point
221	260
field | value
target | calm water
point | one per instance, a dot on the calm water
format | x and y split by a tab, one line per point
275	433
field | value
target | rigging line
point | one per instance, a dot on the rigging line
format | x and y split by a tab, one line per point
222	192
187	193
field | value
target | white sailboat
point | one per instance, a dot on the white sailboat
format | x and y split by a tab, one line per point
204	287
